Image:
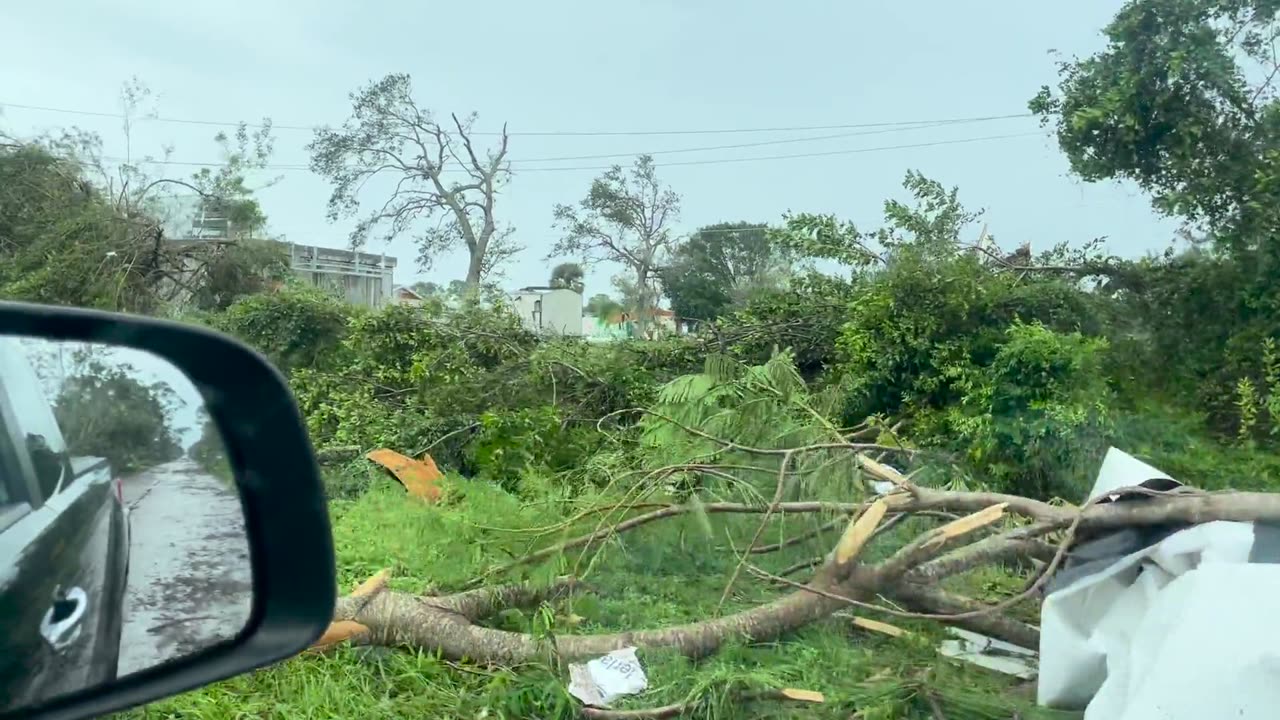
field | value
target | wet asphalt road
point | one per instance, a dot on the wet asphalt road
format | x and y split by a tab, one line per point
190	581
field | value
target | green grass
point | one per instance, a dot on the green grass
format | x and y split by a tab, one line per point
670	572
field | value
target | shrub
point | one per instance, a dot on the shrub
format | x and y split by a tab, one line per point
295	326
1036	420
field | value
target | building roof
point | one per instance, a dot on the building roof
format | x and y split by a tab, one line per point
327	254
544	289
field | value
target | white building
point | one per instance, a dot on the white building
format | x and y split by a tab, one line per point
550	311
362	278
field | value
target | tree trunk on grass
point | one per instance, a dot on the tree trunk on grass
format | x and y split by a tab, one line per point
441	624
910	576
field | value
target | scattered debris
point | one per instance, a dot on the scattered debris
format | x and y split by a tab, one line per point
990	653
1144	587
601	681
421	478
1164	621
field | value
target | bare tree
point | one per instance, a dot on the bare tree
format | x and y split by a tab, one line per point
389	135
625	217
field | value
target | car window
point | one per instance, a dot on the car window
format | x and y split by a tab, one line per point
15	491
34	416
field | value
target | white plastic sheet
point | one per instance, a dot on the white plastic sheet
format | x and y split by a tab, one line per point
1182	628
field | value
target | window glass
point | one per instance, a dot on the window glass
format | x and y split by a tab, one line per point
34	415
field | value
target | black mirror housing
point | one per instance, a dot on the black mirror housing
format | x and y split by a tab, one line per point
276	475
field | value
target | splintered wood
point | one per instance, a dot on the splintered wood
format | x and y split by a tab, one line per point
341	631
966	525
859	531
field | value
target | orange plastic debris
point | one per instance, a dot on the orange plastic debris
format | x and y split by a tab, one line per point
421	478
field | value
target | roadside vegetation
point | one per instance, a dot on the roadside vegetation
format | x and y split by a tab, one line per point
821	358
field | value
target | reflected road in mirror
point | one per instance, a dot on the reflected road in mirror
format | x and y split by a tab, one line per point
190	583
122	537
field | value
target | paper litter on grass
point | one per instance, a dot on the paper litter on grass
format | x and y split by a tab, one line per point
603	680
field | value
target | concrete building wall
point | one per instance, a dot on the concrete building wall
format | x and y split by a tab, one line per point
363	279
548	311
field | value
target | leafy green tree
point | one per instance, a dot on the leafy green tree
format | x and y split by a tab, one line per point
61	241
456	289
104	410
209	451
568	275
626	218
935	309
806	317
389	134
247	267
1182	102
426	289
604	307
1169	105
1000	364
720	266
245	261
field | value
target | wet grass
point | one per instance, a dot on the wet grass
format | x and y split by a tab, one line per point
670	572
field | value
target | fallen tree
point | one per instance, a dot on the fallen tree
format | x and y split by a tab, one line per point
451	624
905	542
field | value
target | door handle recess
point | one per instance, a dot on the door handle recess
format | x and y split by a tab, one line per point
60	626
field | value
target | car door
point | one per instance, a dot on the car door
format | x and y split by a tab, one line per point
57	585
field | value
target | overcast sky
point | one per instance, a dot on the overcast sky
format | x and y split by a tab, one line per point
603	66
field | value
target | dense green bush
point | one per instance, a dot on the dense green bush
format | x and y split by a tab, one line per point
805	318
918	331
982	362
1037	419
295	326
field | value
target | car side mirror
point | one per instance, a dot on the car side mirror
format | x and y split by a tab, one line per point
162	521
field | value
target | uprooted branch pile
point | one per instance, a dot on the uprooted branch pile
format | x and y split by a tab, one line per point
986	528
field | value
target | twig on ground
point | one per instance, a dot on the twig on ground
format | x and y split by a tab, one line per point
678	709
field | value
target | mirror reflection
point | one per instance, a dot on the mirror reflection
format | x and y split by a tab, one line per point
122	538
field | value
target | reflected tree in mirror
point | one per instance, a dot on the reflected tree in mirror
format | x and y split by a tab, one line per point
209	451
106	411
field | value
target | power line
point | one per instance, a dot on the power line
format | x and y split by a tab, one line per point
715	161
704	148
543	133
855	151
762	143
